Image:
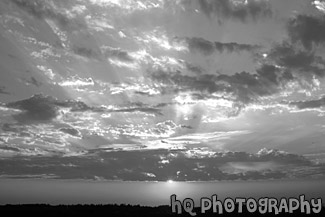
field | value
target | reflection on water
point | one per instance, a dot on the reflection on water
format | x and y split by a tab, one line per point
147	193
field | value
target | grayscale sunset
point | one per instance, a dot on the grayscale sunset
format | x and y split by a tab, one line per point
132	101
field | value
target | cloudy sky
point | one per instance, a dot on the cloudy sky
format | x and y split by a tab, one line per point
162	90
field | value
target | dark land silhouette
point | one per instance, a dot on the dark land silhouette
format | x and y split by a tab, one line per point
45	210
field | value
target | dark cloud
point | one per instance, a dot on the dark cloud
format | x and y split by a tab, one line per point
34	81
286	61
162	165
295	55
138	107
36	108
187	127
309	104
250	87
226	9
40	108
207	47
6	127
300	62
195	69
75	106
268	73
181	82
87	52
199	44
119	55
8	148
98	54
71	131
3	90
309	30
246	87
234	47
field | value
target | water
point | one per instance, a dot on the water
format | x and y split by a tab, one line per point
22	191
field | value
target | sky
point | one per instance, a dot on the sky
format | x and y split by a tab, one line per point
183	90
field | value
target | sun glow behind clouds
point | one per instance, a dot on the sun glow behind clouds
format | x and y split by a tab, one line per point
208	110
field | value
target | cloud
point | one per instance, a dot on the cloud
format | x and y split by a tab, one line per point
209	138
34	82
207	47
320	5
142	87
40	108
71	131
98	25
309	104
199	44
6	127
139	109
117	53
241	11
8	148
113	54
193	68
87	52
30	176
234	47
129	6
299	62
43	10
77	83
44	125
269	73
307	29
160	39
3	90
160	165
249	87
36	108
184	83
243	86
286	62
